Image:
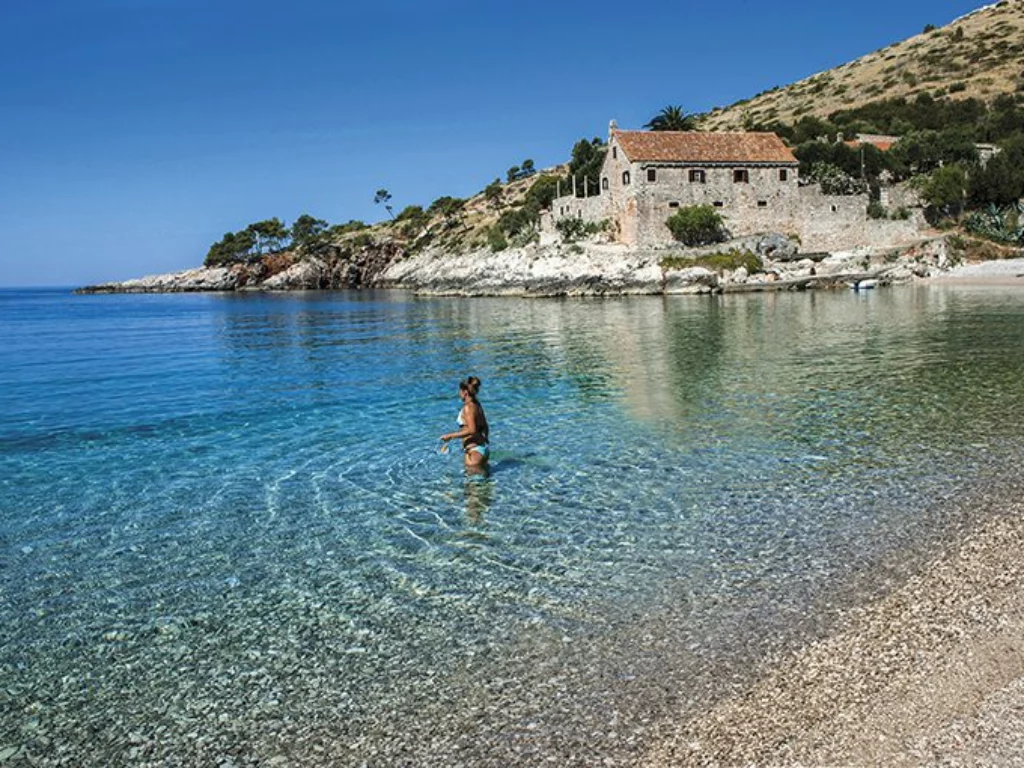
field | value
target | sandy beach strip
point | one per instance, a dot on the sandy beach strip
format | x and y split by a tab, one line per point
932	674
996	273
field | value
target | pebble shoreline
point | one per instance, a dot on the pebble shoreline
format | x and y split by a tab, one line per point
931	674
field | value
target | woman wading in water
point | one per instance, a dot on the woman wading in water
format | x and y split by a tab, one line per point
474	431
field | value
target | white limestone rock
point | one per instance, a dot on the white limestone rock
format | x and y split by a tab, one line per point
303	275
189	280
690	280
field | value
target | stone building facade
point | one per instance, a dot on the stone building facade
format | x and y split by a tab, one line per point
752	179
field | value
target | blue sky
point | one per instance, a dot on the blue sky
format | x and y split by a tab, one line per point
133	133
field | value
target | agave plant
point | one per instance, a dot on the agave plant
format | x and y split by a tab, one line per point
1004	225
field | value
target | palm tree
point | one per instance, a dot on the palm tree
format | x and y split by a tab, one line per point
672	119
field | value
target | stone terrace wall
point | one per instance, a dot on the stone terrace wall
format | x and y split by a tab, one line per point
840	223
591	209
822	222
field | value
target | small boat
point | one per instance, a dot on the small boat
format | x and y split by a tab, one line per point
863	285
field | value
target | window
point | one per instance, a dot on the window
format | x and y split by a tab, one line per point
697	177
604	182
762	203
740	176
615	153
652	174
719	204
783	174
835	208
625	177
673	204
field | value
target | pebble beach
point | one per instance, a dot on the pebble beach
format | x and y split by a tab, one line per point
932	674
1002	272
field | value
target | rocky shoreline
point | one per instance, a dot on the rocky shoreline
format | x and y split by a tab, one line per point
585	269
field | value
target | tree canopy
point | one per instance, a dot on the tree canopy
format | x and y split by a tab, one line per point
672	118
585	166
383	196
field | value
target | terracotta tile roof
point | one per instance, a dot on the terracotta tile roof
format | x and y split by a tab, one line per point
884	143
703	147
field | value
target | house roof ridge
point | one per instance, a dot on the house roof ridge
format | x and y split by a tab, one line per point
704	146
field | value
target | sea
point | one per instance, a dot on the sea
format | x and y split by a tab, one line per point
228	536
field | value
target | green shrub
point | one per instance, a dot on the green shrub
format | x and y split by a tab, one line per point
1001	180
494	193
945	189
900	214
876	210
496	239
524	238
448	207
718	261
542	192
413	220
363	240
696	225
573	229
410	212
353	225
836	181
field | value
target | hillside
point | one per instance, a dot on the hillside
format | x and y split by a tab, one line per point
979	55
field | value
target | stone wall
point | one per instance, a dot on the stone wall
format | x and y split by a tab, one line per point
621	207
840	222
592	208
755	205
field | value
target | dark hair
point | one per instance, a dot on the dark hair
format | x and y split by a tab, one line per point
470	385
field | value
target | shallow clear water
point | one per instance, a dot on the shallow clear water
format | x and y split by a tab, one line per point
226	532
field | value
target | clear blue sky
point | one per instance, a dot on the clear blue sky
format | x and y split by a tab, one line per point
133	133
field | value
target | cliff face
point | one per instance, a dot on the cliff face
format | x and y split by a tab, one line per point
334	268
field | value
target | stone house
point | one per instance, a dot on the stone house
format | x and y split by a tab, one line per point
751	178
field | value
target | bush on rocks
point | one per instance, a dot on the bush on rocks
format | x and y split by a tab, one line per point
697	225
719	261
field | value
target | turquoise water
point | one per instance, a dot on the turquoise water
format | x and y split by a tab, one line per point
227	535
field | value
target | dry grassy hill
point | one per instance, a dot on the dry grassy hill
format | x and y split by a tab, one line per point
979	55
468	229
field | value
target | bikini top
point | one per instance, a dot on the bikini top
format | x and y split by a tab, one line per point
462	422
